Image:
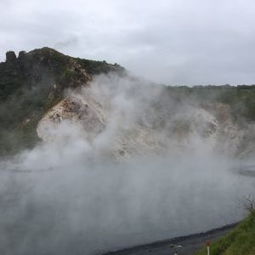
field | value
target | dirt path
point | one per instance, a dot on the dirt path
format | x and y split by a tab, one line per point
190	244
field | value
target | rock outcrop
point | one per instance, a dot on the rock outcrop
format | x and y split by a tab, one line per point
32	84
10	57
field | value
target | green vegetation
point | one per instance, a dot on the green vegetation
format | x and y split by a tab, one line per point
97	67
241	99
30	85
241	241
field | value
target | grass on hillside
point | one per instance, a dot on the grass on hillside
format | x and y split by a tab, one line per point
241	241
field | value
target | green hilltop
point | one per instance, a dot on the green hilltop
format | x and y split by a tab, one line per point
31	84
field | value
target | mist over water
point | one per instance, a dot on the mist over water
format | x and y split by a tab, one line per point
71	195
91	207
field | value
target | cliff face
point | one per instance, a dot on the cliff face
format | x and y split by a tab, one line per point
117	115
31	84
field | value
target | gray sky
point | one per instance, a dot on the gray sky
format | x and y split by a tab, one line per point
168	41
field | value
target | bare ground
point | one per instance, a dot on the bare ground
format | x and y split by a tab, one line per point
190	244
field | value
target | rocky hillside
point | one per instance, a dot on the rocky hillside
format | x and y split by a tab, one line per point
43	91
123	117
31	84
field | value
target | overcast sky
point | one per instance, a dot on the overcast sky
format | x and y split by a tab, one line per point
168	41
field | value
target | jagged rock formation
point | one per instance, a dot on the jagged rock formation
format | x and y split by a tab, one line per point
10	57
33	83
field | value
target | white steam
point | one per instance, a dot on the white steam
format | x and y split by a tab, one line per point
123	163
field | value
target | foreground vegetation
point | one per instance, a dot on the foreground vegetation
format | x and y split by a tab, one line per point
241	241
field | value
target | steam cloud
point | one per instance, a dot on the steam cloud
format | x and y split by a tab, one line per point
133	180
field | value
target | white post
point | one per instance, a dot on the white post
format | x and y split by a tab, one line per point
208	250
208	244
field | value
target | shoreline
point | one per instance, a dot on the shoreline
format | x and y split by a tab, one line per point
194	241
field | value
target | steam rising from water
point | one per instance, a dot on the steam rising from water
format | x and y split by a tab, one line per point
82	207
68	196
